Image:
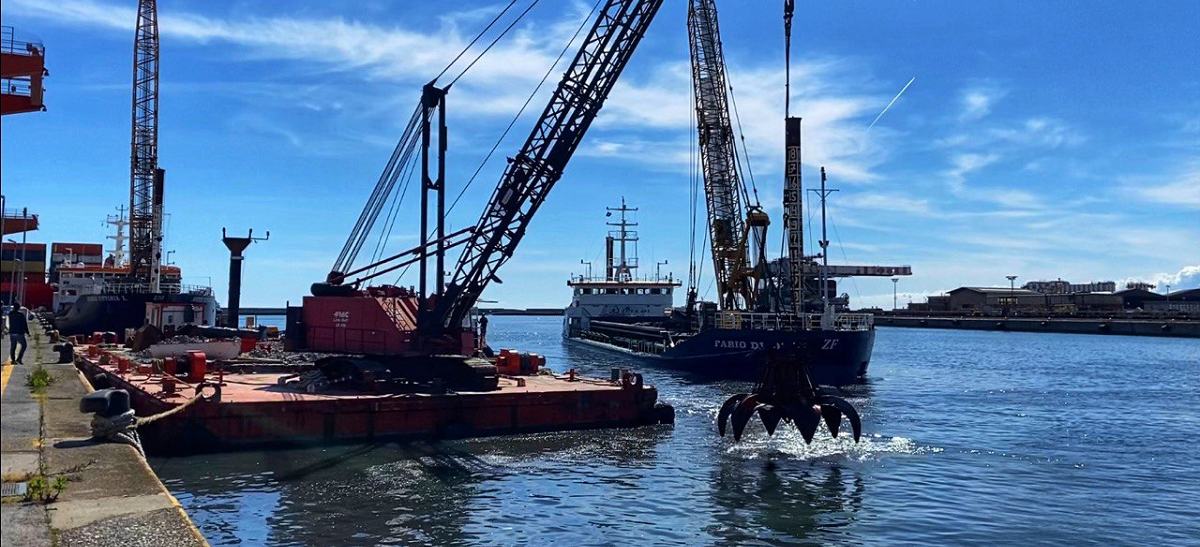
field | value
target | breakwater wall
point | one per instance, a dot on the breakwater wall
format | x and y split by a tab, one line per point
1128	327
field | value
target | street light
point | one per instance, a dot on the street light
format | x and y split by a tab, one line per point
658	265
1012	290
895	285
589	267
12	285
1168	291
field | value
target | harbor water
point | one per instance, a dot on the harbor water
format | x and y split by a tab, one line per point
971	437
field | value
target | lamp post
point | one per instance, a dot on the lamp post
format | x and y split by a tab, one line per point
589	267
1012	289
657	272
895	285
14	285
1168	291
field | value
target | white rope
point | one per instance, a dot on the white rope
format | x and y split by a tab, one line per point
121	428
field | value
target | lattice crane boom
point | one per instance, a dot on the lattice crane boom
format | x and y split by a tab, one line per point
733	224
146	179
532	173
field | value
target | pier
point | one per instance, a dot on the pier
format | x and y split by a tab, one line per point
108	495
1128	327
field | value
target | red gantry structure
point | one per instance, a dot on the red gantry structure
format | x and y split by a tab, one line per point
23	65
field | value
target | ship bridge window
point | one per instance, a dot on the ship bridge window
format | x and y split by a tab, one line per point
655	291
611	291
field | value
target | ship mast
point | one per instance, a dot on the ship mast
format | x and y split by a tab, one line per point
826	315
623	270
118	222
146	179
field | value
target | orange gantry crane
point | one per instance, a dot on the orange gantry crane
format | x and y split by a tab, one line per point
23	65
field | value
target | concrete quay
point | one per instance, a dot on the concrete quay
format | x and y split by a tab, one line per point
1127	327
112	497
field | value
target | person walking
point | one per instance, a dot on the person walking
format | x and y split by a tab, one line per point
18	329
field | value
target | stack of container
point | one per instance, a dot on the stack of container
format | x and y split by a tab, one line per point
88	254
23	274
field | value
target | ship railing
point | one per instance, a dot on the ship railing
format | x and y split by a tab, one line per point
127	288
735	320
852	321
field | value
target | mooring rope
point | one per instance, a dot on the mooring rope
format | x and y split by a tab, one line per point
122	428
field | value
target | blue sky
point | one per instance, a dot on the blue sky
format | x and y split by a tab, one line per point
1038	139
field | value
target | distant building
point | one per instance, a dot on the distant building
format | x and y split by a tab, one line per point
1187	301
997	299
1140	285
1060	286
1136	298
987	298
939	303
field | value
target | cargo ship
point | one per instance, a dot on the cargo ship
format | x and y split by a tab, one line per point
97	293
623	312
761	305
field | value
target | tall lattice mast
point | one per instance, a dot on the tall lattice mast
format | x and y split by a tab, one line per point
145	185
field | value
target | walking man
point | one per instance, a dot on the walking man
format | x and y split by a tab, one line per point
18	328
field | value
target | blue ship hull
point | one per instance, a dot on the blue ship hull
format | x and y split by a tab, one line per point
835	358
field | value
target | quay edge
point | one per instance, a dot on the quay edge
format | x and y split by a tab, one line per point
112	497
1127	327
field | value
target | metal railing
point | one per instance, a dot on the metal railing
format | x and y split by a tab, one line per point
735	320
10	44
16	87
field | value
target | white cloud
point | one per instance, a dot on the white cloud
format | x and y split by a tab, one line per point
1181	188
964	164
1187	277
826	93
1040	133
339	45
976	102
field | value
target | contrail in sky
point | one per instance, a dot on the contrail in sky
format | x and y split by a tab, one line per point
885	109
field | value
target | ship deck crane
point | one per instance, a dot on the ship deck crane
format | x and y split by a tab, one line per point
737	226
146	179
407	331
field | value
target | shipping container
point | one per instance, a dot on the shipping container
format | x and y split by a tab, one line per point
77	249
35	266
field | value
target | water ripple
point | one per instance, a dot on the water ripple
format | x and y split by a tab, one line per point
969	438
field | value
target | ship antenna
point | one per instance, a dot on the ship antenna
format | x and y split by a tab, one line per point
788	7
824	192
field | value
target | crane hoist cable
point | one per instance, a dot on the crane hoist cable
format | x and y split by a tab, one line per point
494	41
389	222
402	155
528	100
379	195
742	136
476	39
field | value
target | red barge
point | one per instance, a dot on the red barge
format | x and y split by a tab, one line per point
252	409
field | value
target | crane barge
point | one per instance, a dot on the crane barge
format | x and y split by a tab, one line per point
429	334
410	362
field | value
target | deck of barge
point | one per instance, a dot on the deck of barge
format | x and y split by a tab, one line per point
254	410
